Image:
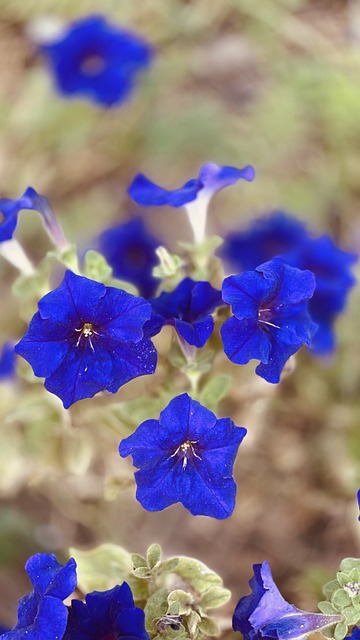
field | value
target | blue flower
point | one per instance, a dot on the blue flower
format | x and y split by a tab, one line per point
10	209
87	338
106	615
97	60
194	195
271	320
187	309
280	234
7	361
130	250
264	239
42	613
212	178
265	614
186	456
355	634
331	268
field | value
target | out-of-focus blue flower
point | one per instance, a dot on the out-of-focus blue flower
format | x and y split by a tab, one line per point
106	615
130	250
271	320
212	178
87	338
331	268
96	60
264	239
354	635
7	361
265	614
186	456
10	209
42	613
187	309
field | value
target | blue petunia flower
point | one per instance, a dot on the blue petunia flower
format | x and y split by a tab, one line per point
96	60
87	338
331	267
106	615
195	194
42	613
186	456
10	209
280	234
264	239
212	178
7	361
271	320
265	614
187	309
130	250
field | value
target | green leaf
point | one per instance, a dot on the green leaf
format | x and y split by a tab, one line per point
208	627
214	597
340	599
153	555
215	390
327	608
156	607
184	599
348	564
138	561
341	630
168	566
197	574
330	588
102	568
192	623
351	615
342	578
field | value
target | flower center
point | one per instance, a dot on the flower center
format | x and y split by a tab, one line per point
185	451
86	331
92	65
2	217
264	316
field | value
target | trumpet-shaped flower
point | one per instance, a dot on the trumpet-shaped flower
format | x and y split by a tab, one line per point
106	615
42	613
266	614
87	338
130	250
195	194
188	309
97	60
186	456
10	209
271	320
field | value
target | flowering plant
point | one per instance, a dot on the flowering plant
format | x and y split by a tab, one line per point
136	342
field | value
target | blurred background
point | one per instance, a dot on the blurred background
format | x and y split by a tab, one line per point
275	84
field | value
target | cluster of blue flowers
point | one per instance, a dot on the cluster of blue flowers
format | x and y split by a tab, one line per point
112	615
87	337
42	613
